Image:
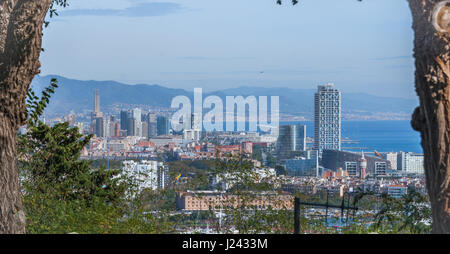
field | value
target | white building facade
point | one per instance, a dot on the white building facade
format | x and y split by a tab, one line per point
147	174
327	118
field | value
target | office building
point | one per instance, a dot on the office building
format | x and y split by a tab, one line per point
152	125
96	114
162	126
130	125
291	138
307	165
392	158
99	124
410	163
137	117
124	115
380	168
145	129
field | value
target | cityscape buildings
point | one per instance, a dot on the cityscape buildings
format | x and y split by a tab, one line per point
152	125
303	166
163	126
410	162
291	138
147	174
138	138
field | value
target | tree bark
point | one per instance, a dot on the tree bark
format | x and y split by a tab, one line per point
432	117
21	23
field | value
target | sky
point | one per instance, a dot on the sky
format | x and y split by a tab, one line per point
359	46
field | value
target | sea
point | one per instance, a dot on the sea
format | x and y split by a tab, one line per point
367	136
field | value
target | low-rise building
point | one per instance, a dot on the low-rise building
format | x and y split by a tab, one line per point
219	200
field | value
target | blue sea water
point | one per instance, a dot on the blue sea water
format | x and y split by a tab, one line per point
383	136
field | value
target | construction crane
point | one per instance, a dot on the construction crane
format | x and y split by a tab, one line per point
379	155
176	178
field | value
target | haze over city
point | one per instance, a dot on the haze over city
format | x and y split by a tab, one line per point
361	47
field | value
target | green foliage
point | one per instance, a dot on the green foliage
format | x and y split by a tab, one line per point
53	11
36	105
101	163
294	2
196	170
410	214
257	153
51	164
62	193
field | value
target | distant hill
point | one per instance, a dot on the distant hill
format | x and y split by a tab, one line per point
78	95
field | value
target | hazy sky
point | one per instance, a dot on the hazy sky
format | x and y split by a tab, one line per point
360	46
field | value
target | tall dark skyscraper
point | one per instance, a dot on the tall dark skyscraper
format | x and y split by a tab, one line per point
327	118
96	115
99	127
291	138
124	120
162	125
131	127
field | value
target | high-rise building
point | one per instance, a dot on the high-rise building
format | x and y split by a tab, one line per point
113	126
145	129
137	116
162	125
291	138
196	121
131	128
152	126
96	114
96	101
392	158
410	162
124	115
327	118
99	124
194	130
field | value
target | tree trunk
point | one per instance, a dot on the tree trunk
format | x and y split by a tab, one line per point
432	117
21	24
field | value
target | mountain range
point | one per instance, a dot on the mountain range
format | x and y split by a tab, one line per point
78	95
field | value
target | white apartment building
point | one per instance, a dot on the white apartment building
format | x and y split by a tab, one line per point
147	174
410	162
392	158
327	118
